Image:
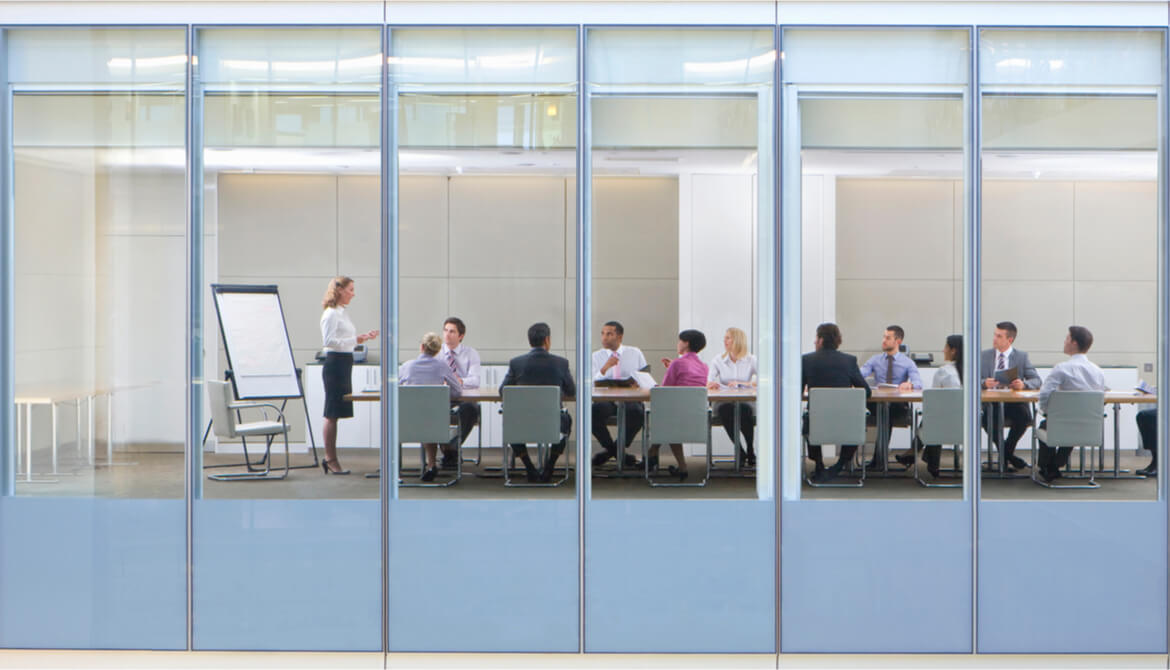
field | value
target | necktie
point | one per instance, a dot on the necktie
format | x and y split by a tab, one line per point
1002	365
616	369
889	369
451	361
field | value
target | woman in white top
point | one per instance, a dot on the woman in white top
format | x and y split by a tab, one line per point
735	368
949	376
339	338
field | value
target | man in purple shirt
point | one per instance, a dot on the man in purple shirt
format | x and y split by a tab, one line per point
686	370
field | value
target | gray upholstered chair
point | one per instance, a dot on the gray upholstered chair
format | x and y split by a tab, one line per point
942	423
532	415
679	415
1073	419
424	416
225	419
836	416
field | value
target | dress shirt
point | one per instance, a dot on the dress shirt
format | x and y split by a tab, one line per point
429	370
630	360
725	371
466	363
904	369
337	331
1078	373
686	370
947	377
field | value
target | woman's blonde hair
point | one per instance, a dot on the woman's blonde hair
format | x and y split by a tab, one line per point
431	343
739	347
333	293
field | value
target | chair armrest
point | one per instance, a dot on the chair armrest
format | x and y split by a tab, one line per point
257	405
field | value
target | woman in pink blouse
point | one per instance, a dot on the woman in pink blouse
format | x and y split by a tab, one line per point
686	370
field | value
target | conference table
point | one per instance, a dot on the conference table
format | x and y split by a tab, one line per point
603	394
999	397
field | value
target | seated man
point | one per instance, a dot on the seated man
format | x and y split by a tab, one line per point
429	370
464	362
1005	366
616	362
892	367
1078	373
828	368
540	368
1147	421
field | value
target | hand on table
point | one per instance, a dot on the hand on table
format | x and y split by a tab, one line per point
990	383
906	386
1017	384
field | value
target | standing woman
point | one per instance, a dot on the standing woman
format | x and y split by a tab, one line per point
736	368
339	338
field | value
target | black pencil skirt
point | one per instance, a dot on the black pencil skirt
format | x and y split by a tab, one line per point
338	382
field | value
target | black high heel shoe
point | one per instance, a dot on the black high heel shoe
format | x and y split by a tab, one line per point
330	471
681	474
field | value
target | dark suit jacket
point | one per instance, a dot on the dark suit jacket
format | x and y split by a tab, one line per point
540	368
1018	360
829	368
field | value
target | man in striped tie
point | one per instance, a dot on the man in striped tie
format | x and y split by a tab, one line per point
465	363
1004	366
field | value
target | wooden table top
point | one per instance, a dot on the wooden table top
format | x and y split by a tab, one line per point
606	394
1009	396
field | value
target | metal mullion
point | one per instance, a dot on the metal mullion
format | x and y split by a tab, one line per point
1163	316
972	294
389	319
7	282
584	301
193	180
777	249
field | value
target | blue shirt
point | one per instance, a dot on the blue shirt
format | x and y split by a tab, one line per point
429	371
904	370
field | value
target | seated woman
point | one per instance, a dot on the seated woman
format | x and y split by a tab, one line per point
949	376
686	370
735	368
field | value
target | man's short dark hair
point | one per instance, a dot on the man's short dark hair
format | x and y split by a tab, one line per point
458	323
1007	327
1081	337
897	331
616	326
538	333
695	339
830	335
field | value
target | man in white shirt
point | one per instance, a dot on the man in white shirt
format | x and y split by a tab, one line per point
464	362
1078	373
616	363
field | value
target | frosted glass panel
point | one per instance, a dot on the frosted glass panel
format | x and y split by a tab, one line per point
1058	57
350	56
689	57
478	56
97	57
879	56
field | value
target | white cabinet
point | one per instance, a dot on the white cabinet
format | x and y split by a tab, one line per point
364	429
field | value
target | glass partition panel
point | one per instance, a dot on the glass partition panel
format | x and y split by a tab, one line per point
485	275
98	151
681	333
289	185
1072	202
875	211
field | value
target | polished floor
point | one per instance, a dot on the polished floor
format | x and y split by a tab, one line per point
145	474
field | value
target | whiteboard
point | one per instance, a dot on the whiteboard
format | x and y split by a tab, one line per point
259	354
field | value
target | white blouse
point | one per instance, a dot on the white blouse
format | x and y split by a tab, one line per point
947	377
724	371
337	331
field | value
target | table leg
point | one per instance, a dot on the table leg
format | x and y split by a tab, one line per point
28	442
77	406
735	436
109	429
53	414
92	442
19	434
621	435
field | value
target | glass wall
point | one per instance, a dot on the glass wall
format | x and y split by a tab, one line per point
874	200
99	284
485	220
290	122
682	127
1072	142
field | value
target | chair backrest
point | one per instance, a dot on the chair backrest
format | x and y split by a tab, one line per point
532	414
223	419
836	416
678	414
424	413
1076	419
942	416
